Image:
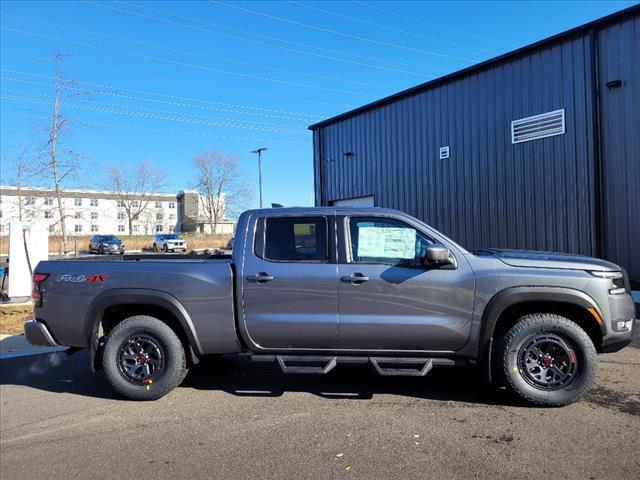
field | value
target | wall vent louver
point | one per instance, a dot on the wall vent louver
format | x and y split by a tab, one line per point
538	126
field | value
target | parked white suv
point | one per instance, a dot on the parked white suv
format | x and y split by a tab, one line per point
169	242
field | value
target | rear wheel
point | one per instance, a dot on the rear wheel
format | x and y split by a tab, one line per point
546	360
143	358
155	247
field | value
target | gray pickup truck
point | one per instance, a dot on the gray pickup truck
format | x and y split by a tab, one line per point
317	287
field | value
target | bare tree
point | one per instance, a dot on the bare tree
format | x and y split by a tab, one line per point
221	185
135	187
60	165
22	172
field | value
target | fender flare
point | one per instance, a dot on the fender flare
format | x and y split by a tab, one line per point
509	297
132	296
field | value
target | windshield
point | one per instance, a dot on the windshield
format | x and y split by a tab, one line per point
108	238
172	237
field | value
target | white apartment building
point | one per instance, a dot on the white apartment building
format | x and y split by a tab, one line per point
89	212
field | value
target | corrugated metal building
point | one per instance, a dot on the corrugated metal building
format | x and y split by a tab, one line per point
535	149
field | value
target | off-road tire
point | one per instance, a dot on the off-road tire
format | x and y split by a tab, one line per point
508	360
175	364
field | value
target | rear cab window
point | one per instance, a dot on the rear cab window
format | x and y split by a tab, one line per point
292	239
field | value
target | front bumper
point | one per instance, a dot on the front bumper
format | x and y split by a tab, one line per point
37	333
622	312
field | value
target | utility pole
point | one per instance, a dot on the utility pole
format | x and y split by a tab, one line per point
259	152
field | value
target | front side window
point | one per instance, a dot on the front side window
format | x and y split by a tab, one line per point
386	241
295	239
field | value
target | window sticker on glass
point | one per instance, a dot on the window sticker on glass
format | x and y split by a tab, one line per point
386	242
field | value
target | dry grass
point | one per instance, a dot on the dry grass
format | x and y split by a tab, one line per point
13	317
135	242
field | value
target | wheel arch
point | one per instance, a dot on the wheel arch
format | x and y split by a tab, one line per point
113	306
507	306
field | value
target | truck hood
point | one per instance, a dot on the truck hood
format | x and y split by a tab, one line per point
538	259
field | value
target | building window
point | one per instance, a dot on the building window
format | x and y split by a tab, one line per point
121	228
94	215
159	228
158	204
120	215
78	216
48	214
52	228
48	201
159	216
77	229
77	202
135	203
172	216
1	228
94	227
94	202
172	204
120	203
30	201
136	228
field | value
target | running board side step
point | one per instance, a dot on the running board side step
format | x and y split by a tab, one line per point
413	367
302	364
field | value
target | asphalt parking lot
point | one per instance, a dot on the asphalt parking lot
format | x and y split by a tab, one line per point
236	419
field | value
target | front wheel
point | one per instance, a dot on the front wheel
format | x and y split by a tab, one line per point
143	358
165	249
546	360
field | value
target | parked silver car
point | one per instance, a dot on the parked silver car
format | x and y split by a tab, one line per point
169	242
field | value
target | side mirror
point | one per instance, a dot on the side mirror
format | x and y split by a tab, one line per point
438	255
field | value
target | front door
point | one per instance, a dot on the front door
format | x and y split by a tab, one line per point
389	299
289	284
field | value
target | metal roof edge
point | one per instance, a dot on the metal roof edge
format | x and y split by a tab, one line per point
627	12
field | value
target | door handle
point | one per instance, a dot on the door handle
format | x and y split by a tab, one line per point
260	278
355	278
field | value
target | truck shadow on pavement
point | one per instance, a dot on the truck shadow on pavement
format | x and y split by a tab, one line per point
61	373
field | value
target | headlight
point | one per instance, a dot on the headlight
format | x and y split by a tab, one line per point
617	280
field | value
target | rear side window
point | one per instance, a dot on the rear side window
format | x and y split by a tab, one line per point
293	239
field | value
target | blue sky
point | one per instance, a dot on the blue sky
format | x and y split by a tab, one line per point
175	78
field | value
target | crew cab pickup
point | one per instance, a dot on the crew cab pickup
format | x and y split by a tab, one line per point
314	288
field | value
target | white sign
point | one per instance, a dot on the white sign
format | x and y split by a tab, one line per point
379	242
444	152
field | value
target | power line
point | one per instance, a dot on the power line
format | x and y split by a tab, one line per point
282	40
195	54
153	110
424	22
163	131
386	27
152	116
188	65
342	34
304	116
177	82
245	39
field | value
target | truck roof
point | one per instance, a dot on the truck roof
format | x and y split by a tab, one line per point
324	210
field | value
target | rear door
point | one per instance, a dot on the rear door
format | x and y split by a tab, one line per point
389	299
289	283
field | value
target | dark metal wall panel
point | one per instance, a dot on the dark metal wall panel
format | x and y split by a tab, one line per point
619	59
536	194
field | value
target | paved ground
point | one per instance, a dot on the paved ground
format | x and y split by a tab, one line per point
232	419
